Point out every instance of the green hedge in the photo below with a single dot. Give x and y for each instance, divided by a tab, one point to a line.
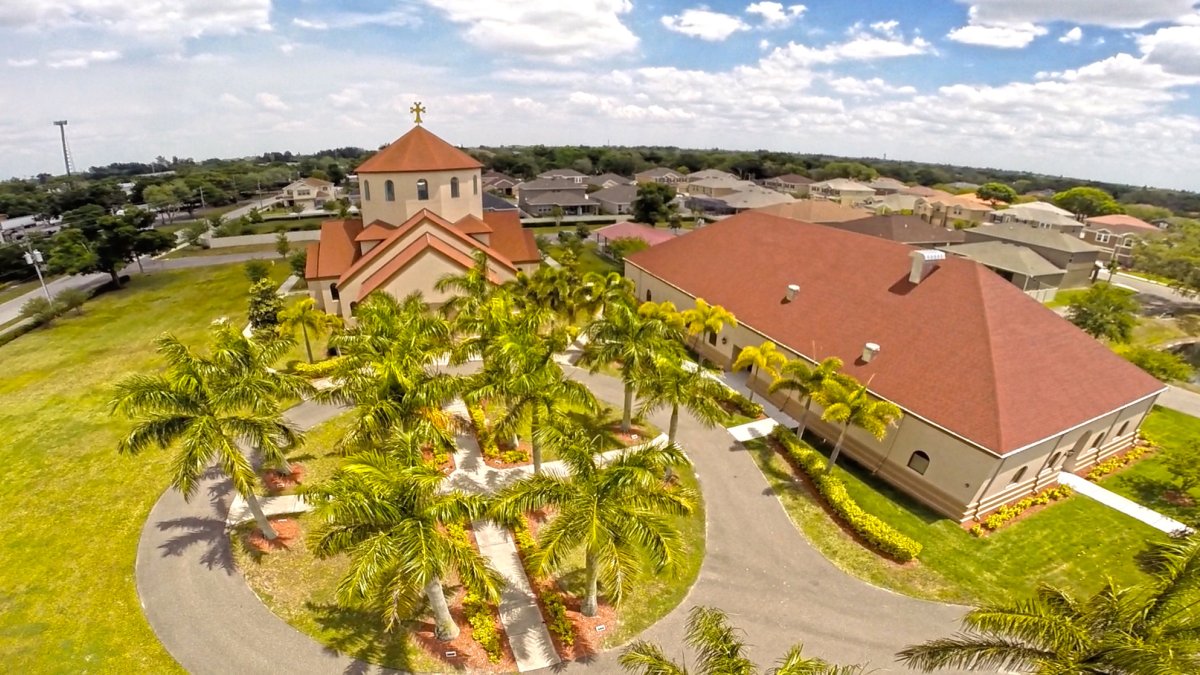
319	369
875	531
744	405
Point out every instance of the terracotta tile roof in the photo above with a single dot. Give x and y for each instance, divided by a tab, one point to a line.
1129	223
418	150
336	251
963	349
469	224
376	231
815	211
405	228
402	258
921	191
310	260
510	239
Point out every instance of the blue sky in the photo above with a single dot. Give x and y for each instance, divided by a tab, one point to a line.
1100	89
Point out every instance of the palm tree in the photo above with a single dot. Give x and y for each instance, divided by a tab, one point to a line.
599	291
705	319
391	519
807	381
1149	628
471	288
763	358
847	402
632	339
523	374
669	383
617	512
303	314
720	650
207	407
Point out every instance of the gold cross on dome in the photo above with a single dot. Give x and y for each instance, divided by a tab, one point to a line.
416	110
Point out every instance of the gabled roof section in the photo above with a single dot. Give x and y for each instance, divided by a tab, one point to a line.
336	250
510	239
422	216
376	231
469	224
1008	257
816	211
902	228
963	349
1032	236
410	253
418	150
1121	223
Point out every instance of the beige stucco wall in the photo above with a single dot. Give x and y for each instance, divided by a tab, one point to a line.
469	201
963	480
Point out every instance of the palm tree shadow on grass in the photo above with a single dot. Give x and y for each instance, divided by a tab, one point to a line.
358	633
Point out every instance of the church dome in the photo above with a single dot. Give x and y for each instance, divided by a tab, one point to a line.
418	150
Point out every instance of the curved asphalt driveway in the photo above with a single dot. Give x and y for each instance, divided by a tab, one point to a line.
758	567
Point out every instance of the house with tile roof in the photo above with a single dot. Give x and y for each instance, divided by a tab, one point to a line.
564	174
1117	234
616	200
947	210
999	393
540	197
815	211
608	180
841	190
884	185
1036	276
1039	214
499	183
791	183
909	230
308	193
422	218
1075	257
660	175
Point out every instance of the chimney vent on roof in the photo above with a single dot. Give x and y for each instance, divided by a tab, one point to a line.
870	351
792	290
924	262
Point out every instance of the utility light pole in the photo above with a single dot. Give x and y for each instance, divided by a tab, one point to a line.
62	132
34	257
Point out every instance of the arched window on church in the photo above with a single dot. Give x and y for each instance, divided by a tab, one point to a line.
333	291
366	190
475	184
423	189
389	191
454	188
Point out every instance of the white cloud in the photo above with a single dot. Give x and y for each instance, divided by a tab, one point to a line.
287	48
347	20
775	14
71	58
705	24
764	44
887	28
549	30
1110	13
149	19
21	63
1175	48
1001	35
852	86
1072	37
272	102
350	97
233	101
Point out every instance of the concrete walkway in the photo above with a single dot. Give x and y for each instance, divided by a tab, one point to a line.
752	430
1115	501
520	615
239	509
1181	400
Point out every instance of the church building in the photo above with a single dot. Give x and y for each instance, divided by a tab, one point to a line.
422	217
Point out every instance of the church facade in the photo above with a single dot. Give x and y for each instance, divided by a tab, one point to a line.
422	217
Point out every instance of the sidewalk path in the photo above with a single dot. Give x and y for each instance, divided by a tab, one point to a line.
519	612
1115	501
1181	400
239	510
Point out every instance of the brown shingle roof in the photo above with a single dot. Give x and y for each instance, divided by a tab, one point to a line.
815	211
901	228
336	251
418	150
963	349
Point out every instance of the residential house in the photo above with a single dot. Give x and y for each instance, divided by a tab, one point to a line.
710	174
563	174
653	236
616	200
20	227
424	218
1039	214
607	180
963	186
1022	267
1074	256
1117	235
920	191
909	230
660	175
892	203
540	197
947	210
841	190
791	183
999	393
718	186
815	211
494	181
308	193
492	202
886	186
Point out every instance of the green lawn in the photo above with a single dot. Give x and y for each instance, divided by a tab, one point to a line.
1073	543
1064	298
1147	480
191	252
73	507
273	225
589	260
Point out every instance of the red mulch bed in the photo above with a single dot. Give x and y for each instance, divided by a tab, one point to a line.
446	467
278	481
288	530
636	436
1033	510
505	446
470	656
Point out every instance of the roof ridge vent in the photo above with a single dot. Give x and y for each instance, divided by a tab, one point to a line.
924	262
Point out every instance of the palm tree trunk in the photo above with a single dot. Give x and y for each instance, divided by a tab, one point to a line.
673	427
837	449
264	525
533	440
444	627
590	600
804	417
627	416
307	347
750	383
141	270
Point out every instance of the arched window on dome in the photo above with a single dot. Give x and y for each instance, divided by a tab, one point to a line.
389	191
454	188
423	189
366	190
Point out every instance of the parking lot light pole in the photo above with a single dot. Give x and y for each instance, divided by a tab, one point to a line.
34	257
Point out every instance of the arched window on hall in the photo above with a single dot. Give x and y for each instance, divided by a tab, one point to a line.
333	291
366	190
422	189
919	462
475	184
1019	474
454	188
648	295
389	191
353	308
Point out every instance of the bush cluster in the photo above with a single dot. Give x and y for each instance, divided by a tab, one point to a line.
557	621
1119	462
743	405
875	531
42	311
319	369
483	626
487	440
1006	513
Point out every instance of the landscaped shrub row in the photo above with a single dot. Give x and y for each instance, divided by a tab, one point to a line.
557	621
1120	462
876	532
480	614
744	405
317	370
1006	513
487	440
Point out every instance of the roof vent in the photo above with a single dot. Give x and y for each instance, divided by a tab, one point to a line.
792	290
924	262
870	351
